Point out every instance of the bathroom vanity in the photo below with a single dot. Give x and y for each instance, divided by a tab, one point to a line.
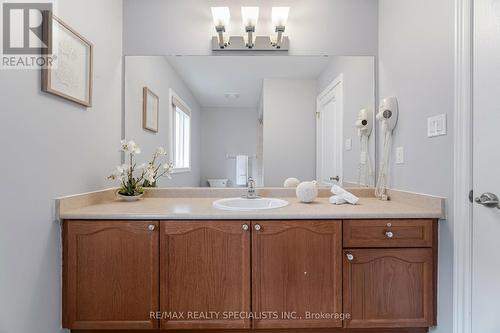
174	262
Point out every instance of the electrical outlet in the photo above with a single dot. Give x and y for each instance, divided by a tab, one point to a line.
400	155
436	126
348	144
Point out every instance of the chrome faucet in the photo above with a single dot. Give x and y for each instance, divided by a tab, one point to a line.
251	189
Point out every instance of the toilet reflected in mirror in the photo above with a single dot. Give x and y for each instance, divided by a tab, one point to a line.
224	119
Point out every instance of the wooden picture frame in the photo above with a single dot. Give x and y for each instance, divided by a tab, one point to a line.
70	74
150	110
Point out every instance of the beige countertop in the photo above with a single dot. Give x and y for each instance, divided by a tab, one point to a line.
165	207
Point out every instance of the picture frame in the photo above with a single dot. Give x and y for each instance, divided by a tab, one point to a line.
150	110
70	74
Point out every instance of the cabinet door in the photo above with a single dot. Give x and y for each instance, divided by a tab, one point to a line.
110	274
296	274
386	288
205	274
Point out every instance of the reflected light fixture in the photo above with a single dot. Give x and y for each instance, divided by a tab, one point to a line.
280	18
250	17
221	19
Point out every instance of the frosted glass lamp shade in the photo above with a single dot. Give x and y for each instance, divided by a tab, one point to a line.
250	16
221	16
280	16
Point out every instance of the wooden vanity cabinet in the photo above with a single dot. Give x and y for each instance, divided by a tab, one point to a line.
205	269
110	274
296	270
390	277
117	273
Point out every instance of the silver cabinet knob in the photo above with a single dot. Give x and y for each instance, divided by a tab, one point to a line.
489	200
257	227
349	256
245	227
389	234
151	227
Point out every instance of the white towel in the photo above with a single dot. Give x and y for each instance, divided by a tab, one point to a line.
241	169
347	196
336	200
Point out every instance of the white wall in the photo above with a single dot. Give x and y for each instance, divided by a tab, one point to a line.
52	147
225	131
416	64
359	93
159	76
289	130
161	27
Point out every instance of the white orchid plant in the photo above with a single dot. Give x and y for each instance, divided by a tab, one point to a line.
155	170
132	182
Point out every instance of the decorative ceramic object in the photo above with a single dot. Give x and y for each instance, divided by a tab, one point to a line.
291	183
129	198
307	192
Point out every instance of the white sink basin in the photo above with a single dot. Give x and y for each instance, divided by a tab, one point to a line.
243	204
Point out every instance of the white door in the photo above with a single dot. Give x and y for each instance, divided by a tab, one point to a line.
486	166
329	128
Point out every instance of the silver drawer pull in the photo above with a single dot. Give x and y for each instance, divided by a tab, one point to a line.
245	227
349	256
151	227
389	234
257	227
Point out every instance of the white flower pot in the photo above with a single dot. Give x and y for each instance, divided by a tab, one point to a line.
129	198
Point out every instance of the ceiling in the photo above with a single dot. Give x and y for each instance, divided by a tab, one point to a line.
210	78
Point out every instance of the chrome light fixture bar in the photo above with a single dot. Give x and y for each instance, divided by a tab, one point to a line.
250	17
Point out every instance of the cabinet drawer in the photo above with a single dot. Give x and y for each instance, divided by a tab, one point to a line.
387	233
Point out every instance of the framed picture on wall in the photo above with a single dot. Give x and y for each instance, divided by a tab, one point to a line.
70	75
150	110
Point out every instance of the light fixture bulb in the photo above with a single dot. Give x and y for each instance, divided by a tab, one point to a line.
221	16
250	16
280	16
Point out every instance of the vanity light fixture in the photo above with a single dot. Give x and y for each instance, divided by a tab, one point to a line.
221	18
250	17
280	18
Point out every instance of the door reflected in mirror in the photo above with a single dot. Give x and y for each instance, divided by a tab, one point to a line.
223	119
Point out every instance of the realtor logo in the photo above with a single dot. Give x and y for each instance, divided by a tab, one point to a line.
23	44
22	28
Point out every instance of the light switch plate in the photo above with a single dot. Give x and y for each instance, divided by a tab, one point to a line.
348	144
400	155
436	126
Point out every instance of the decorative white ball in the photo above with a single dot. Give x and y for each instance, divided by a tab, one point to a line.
307	191
291	182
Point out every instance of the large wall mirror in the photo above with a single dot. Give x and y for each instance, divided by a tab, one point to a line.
223	119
